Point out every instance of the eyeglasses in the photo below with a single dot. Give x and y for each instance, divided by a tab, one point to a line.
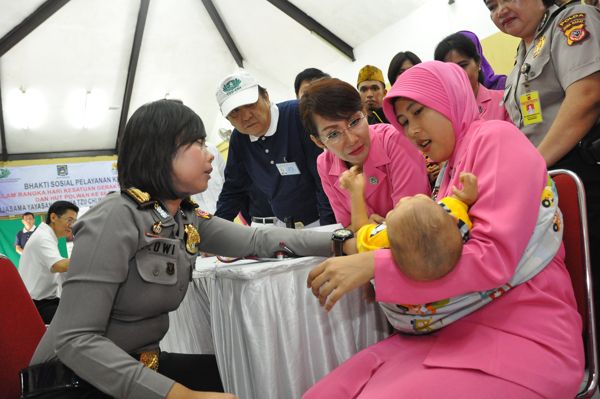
68	219
335	136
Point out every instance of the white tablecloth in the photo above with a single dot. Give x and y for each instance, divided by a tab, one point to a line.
270	336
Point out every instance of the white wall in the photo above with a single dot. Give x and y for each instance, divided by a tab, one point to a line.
418	32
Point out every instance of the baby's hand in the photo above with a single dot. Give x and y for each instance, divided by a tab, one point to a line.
353	180
468	193
376	219
433	170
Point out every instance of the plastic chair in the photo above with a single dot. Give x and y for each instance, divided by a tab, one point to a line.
21	328
571	201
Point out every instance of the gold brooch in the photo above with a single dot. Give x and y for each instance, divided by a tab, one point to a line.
150	359
192	239
157	228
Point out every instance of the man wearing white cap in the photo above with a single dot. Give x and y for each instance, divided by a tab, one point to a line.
269	150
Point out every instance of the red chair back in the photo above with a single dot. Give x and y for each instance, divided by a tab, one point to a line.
21	328
571	201
573	239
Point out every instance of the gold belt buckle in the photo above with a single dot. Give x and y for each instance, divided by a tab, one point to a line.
150	359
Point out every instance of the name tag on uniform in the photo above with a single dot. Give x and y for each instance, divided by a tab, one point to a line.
288	168
531	108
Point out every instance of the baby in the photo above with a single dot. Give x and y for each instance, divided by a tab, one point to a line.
425	237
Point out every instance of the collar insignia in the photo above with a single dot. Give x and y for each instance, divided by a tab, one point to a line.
538	46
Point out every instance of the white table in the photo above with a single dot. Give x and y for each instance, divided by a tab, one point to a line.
270	336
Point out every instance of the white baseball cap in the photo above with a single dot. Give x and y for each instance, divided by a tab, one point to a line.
235	90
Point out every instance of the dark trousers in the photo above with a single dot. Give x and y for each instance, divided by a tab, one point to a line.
196	372
47	308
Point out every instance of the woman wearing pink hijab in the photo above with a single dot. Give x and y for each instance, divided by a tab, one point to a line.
525	343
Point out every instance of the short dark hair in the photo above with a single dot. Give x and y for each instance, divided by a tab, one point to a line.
27	214
397	61
462	45
309	74
151	139
59	208
330	98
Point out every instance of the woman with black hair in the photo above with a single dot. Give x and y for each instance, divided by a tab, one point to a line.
400	63
132	262
459	49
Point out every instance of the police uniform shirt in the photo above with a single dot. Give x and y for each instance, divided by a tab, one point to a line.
126	275
562	52
36	263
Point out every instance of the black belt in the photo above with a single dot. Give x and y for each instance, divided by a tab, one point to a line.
49	378
265	220
53	377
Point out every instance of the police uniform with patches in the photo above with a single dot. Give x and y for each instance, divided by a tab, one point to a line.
565	49
131	265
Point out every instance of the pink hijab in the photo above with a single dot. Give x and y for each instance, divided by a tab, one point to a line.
441	86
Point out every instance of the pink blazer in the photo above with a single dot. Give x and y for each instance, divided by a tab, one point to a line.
532	335
491	104
393	169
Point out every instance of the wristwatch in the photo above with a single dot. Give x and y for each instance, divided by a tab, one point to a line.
338	237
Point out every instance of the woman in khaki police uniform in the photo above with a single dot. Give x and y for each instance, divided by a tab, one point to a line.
553	92
132	261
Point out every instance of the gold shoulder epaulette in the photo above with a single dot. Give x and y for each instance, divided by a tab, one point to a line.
189	203
140	197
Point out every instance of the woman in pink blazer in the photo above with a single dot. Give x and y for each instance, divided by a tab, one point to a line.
333	114
526	343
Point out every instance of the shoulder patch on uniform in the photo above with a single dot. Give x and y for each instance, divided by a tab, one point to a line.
573	28
139	197
202	214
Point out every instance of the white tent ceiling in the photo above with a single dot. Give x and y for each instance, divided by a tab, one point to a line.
63	84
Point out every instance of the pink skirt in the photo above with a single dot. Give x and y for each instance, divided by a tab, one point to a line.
394	368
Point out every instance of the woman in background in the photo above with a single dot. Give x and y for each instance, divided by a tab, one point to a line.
490	79
459	49
400	63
